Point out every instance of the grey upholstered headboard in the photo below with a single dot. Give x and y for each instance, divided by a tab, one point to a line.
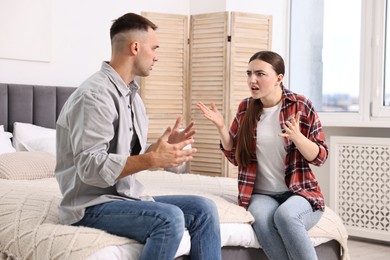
38	105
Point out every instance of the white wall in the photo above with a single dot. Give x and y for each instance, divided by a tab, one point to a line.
80	34
79	39
207	6
14	43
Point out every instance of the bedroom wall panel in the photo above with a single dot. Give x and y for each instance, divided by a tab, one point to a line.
4	105
62	95
39	105
44	103
21	98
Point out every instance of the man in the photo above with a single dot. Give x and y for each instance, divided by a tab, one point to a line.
101	143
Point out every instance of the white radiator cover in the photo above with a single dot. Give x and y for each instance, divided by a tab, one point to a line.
360	185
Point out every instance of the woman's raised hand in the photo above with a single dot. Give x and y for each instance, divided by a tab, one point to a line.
212	114
216	117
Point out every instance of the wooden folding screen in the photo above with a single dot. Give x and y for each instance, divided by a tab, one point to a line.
164	92
250	33
218	56
208	83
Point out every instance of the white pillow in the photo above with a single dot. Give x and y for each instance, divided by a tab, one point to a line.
33	138
1	128
5	142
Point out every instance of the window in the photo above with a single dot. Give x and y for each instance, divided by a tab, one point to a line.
341	56
338	59
325	53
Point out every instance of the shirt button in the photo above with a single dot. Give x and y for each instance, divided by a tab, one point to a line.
131	129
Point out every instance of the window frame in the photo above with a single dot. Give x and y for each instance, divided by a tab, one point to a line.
379	111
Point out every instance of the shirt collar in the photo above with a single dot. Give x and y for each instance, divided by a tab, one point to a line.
288	94
124	89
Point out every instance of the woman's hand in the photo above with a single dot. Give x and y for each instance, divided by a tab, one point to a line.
307	148
212	114
291	129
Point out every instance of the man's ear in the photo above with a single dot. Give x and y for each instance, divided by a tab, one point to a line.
134	47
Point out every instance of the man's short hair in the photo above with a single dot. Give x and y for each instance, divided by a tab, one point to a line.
130	21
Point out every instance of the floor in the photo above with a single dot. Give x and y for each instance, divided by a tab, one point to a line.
367	250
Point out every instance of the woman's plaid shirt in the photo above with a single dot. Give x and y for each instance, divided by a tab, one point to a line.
298	174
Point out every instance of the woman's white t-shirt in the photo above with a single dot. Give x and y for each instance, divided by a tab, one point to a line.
270	153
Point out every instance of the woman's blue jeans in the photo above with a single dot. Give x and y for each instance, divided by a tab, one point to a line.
160	225
281	224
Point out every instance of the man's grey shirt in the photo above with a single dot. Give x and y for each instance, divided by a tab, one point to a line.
94	132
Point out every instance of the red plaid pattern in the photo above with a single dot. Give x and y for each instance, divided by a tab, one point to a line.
298	175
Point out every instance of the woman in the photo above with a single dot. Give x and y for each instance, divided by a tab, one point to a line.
274	137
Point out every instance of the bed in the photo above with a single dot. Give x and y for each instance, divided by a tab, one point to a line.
29	194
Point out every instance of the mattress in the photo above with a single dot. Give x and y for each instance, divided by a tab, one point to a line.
232	234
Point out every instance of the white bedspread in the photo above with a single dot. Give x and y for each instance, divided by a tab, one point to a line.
29	226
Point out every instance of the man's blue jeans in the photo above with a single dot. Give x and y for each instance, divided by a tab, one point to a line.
160	225
281	224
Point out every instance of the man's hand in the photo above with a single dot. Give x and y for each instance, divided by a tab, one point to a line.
166	154
179	135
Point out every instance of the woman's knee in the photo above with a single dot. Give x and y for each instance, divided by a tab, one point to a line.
283	218
292	212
